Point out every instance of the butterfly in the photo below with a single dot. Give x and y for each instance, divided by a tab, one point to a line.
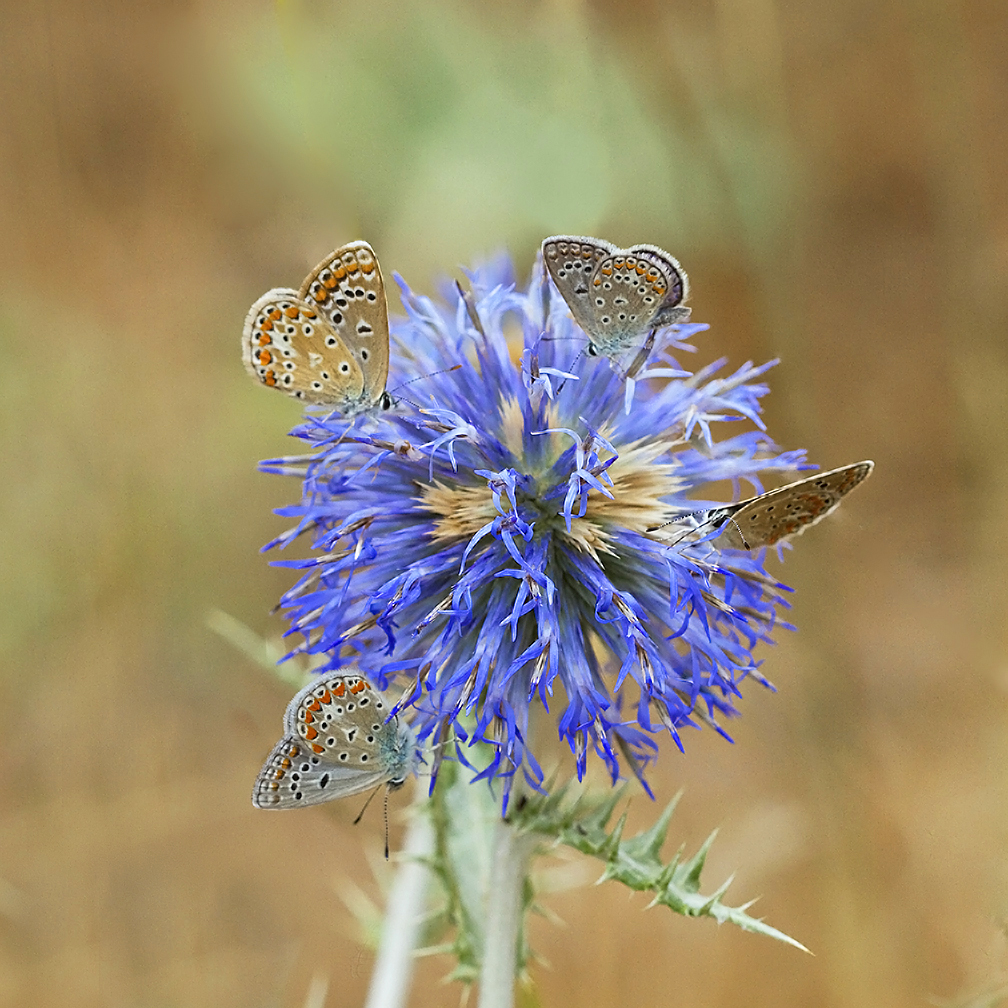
619	297
327	343
779	514
336	742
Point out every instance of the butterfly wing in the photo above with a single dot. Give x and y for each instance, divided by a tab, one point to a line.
632	293
293	776
288	345
347	290
789	510
674	275
571	260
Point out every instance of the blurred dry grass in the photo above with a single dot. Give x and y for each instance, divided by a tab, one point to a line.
831	175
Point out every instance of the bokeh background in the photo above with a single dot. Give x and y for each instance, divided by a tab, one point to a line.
832	177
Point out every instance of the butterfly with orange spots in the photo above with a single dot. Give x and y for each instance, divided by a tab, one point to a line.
327	343
336	742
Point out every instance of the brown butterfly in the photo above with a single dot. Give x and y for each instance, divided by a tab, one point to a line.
782	513
327	343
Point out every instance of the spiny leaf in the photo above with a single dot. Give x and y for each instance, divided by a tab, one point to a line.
636	861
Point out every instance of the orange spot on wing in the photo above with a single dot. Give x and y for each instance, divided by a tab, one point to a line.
309	717
308	313
326	697
314	705
269	378
368	267
310	733
358	686
340	689
338	273
265	357
291	312
275	314
317	748
264	340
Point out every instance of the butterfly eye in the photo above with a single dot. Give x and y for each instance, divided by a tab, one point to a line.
592	349
386	403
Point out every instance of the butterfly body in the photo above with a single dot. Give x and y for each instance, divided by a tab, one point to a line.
336	743
327	343
619	297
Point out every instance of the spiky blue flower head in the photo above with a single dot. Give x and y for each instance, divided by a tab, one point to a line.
486	541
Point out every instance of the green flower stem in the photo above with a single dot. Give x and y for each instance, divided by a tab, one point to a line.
511	854
407	903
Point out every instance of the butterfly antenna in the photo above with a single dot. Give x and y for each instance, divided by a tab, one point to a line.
742	537
580	354
672	521
387	789
431	374
675	542
467	299
368	802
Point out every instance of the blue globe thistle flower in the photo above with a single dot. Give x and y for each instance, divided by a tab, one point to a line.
488	544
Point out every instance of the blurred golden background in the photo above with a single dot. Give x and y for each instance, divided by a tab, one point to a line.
832	177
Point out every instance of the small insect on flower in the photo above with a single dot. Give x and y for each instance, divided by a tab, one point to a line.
619	297
493	548
336	743
328	342
780	514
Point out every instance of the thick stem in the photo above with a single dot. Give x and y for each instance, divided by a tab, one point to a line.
504	912
393	968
